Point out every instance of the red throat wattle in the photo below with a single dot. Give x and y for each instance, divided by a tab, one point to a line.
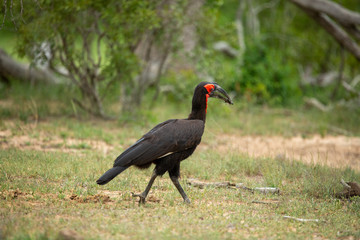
209	87
207	96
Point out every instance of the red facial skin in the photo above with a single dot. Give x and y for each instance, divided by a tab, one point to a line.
209	88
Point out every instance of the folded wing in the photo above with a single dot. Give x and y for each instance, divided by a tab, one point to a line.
174	135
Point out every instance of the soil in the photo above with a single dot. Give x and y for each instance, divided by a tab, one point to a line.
334	151
43	142
92	198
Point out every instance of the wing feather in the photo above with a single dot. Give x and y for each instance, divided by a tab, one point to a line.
170	136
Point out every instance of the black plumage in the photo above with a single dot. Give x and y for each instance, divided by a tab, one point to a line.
168	143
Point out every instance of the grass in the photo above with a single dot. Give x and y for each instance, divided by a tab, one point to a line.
47	181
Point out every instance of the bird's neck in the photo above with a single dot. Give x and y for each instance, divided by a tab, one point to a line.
199	108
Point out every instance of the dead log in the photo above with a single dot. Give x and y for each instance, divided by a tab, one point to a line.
12	69
200	184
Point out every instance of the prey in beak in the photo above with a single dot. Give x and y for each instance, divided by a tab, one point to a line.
220	93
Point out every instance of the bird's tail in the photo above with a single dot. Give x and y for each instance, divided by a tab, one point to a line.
110	174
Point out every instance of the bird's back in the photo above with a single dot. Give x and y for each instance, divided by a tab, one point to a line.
173	135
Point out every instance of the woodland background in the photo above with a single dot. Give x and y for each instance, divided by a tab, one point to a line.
81	81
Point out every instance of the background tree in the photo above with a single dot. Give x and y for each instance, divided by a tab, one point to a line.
96	44
274	53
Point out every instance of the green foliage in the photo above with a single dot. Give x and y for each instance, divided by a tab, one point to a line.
95	41
267	74
266	78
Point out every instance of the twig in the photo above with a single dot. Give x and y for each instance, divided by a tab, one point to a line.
267	190
201	185
264	202
301	219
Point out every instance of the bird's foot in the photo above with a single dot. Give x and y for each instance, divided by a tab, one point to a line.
141	197
187	201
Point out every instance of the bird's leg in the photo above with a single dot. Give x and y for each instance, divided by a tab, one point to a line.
175	181
143	195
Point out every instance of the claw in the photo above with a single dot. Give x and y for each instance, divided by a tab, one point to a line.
141	197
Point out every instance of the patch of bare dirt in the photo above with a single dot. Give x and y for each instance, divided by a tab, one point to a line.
28	197
43	142
12	194
334	151
69	234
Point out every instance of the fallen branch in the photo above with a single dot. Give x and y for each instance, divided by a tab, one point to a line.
266	202
301	219
267	190
317	104
201	185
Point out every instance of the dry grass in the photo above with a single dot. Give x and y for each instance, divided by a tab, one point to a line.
334	151
49	164
48	189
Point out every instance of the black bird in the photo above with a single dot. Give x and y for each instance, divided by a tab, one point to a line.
168	143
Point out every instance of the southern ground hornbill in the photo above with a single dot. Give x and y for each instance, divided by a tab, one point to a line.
168	143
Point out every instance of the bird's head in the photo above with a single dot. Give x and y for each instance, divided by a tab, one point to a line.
202	92
214	90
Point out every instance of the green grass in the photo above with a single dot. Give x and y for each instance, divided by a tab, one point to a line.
38	186
46	180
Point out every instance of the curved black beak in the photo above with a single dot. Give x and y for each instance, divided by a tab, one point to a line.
220	93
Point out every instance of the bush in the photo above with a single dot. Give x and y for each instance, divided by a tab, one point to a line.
265	78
